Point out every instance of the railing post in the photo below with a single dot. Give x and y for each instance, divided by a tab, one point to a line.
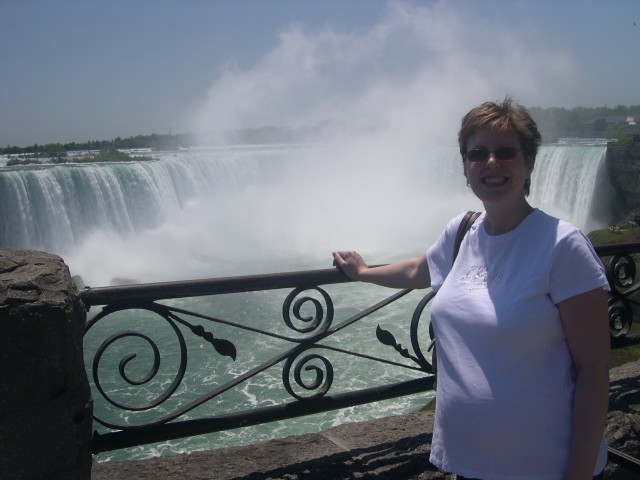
45	400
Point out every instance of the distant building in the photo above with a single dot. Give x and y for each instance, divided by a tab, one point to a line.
597	126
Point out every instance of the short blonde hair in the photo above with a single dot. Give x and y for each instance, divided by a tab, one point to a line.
505	116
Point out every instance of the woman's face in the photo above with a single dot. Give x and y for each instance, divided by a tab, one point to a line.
498	176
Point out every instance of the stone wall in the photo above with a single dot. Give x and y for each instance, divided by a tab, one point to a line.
45	400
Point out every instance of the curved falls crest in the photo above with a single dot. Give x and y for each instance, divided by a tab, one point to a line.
245	192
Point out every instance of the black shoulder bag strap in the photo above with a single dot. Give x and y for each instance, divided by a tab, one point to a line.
465	225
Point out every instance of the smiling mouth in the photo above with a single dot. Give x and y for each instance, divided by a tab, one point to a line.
494	181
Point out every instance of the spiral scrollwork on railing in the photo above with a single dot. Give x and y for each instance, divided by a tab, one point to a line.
620	317
122	366
316	379
128	359
318	322
415	338
621	273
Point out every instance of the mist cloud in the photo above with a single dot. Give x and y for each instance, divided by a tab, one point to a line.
397	90
416	72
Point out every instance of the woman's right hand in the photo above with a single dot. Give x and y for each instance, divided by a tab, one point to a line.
351	263
410	273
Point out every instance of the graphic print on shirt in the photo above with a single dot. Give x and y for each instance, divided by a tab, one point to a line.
480	277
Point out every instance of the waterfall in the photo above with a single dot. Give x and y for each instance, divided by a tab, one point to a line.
569	181
187	211
52	207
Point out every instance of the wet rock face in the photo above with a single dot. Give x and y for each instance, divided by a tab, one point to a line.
623	163
45	401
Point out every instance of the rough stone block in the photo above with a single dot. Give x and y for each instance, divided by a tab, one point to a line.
45	400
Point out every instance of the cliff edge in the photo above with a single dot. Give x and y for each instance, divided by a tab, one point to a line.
623	164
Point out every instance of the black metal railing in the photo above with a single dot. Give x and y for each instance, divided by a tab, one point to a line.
622	275
304	344
307	396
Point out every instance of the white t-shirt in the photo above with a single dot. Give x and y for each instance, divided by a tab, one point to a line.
505	375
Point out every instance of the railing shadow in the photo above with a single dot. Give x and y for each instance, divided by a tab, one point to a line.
405	458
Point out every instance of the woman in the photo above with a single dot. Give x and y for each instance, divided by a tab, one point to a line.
520	318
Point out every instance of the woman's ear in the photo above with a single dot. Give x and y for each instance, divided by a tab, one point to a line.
530	163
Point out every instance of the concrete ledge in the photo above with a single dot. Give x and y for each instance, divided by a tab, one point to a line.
388	448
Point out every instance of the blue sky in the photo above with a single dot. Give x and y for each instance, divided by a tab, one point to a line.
96	69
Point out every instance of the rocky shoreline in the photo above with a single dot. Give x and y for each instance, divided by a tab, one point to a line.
389	448
623	420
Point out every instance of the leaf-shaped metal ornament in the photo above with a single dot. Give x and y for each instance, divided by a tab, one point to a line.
223	347
385	337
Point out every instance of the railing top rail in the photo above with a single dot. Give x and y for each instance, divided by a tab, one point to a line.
612	249
213	286
272	281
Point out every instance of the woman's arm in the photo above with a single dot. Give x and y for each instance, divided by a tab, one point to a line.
411	273
585	322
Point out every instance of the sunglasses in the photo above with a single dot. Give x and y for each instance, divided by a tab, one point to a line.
482	155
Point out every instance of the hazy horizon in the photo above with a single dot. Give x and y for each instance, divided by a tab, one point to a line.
117	69
221	134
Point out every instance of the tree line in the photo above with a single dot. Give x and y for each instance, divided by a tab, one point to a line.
153	141
581	122
59	157
554	123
